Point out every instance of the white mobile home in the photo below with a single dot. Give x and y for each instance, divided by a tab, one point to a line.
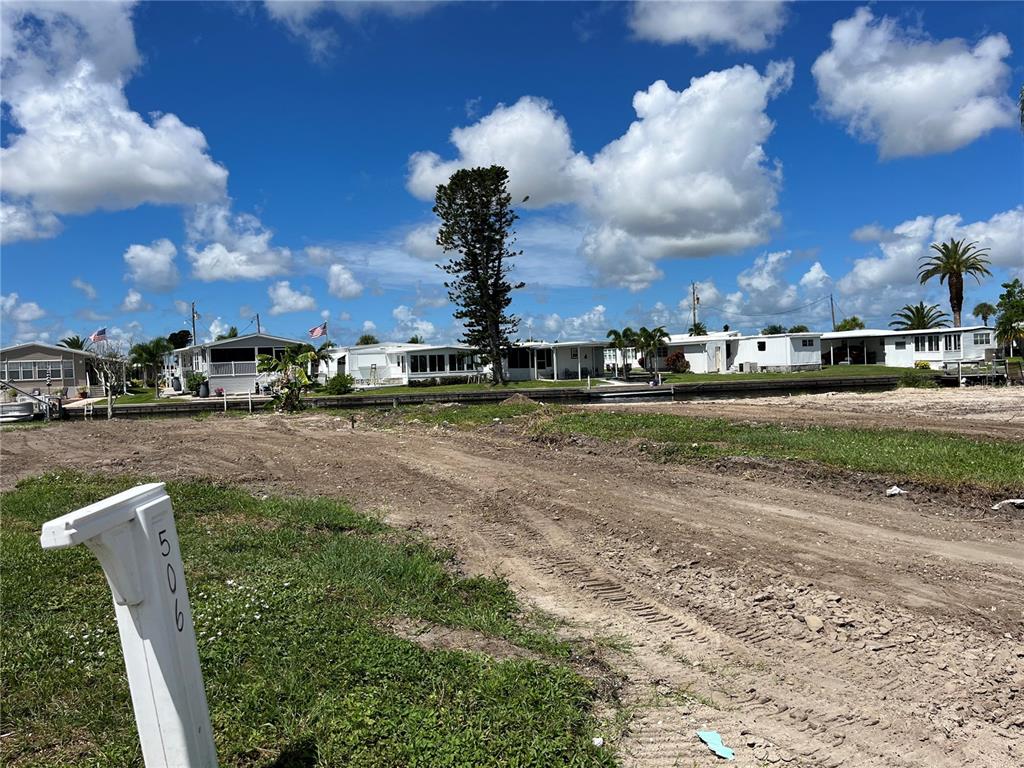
376	365
554	360
707	353
228	364
937	346
778	353
46	369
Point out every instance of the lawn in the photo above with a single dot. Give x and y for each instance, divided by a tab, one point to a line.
924	456
833	371
512	386
137	396
292	600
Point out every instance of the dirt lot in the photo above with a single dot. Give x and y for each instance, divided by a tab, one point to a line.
808	618
975	411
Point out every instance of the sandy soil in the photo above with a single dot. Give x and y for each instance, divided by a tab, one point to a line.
975	411
812	621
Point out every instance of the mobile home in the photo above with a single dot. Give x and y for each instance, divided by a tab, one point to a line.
936	346
228	364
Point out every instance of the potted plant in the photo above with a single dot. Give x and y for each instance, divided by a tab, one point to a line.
195	383
83	392
219	391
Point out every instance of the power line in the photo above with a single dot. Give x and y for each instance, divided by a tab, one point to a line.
766	314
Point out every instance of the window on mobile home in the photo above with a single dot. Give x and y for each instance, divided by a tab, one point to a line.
952	342
982	338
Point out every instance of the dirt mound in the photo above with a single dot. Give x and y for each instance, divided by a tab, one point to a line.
519	399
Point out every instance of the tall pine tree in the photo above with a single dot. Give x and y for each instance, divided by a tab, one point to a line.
476	223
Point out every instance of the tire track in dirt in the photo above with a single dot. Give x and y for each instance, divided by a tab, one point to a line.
709	575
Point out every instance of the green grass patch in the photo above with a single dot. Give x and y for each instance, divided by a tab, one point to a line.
137	396
943	459
512	387
936	458
291	600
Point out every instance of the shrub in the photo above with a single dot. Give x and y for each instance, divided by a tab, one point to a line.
677	362
193	380
339	384
913	377
922	365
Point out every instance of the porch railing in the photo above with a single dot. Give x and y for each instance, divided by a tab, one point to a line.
236	368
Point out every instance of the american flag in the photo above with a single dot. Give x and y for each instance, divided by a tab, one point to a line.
318	331
100	334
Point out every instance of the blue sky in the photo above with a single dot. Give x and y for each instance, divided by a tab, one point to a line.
279	158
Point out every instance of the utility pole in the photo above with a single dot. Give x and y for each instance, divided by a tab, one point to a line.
694	301
193	322
832	304
258	329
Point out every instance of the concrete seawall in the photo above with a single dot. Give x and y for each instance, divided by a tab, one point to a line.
566	396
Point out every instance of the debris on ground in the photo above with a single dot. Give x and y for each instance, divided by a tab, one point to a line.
519	399
895	491
1018	503
714	741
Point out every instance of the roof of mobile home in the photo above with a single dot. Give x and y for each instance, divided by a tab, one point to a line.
62	350
230	339
874	332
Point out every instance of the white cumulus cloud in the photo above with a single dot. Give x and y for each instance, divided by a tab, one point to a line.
740	24
23	222
909	94
528	138
342	283
134	302
227	246
77	146
285	299
152	266
901	248
690	176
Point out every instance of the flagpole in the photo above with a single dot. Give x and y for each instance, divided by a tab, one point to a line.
193	322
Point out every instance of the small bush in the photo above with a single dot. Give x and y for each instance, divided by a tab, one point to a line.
422	382
917	379
922	365
193	380
677	362
339	384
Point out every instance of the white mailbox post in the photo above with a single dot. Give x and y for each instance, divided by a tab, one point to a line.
133	536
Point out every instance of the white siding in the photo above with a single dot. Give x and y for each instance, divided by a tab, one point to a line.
805	356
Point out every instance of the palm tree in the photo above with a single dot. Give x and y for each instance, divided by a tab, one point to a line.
231	334
321	355
984	310
291	379
649	339
416	339
851	323
621	341
773	330
697	329
1010	332
954	260
74	342
150	356
918	317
